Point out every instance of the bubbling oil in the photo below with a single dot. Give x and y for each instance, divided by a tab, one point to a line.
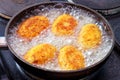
92	56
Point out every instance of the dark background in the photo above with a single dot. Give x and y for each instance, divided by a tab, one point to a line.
109	71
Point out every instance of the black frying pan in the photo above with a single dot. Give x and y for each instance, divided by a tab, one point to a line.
49	74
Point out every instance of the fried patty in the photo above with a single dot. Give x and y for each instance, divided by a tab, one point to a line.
32	26
40	54
64	25
90	36
70	58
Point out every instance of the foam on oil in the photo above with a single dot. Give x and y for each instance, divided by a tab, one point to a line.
21	46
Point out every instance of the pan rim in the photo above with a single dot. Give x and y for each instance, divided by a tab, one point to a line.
60	71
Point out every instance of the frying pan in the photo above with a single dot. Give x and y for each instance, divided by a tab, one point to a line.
38	72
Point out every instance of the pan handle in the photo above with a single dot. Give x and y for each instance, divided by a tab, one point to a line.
3	42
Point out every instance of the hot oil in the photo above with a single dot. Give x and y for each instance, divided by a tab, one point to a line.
21	46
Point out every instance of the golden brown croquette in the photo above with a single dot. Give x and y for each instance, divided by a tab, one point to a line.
70	58
64	25
40	54
32	26
89	36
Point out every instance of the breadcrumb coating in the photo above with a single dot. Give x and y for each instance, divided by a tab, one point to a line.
90	36
32	26
70	58
40	54
64	25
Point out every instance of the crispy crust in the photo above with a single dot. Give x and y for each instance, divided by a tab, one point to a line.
64	25
89	36
32	26
70	58
40	54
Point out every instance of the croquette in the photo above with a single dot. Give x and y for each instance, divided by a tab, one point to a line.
70	58
64	25
89	36
40	54
32	26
